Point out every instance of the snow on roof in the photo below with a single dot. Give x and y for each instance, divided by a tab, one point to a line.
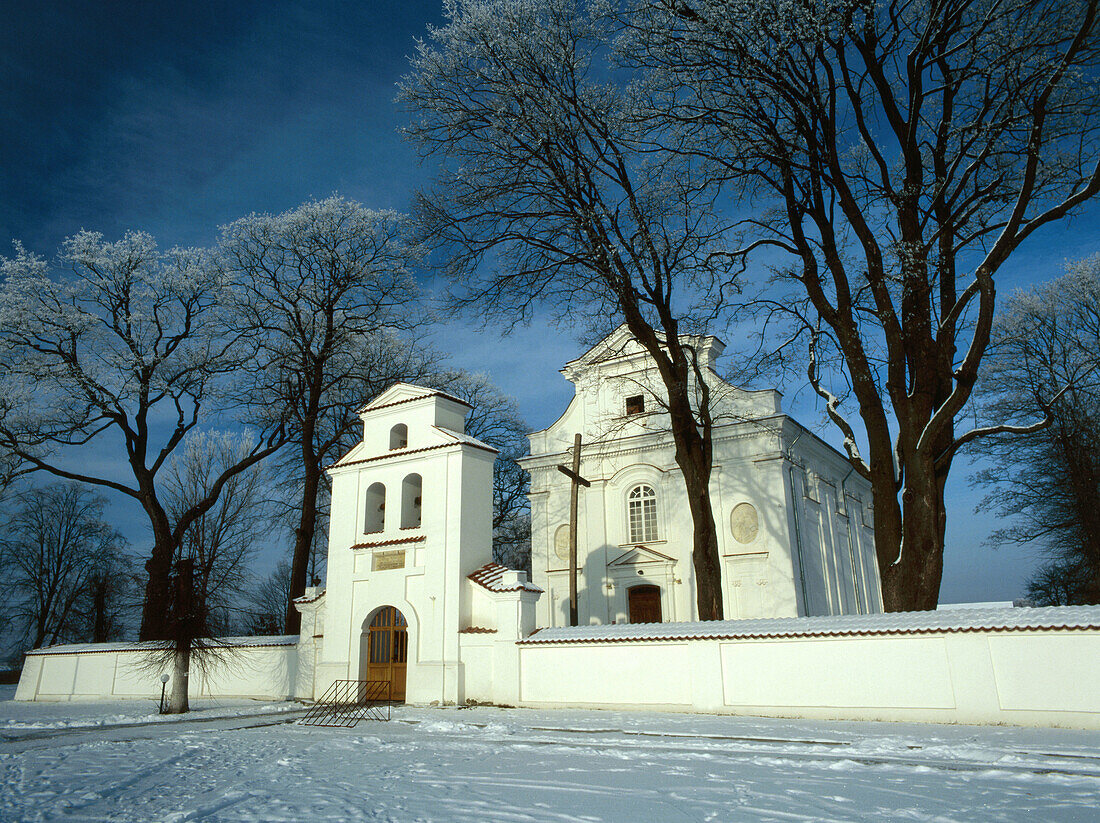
138	645
490	576
470	441
305	598
957	620
416	392
621	343
466	439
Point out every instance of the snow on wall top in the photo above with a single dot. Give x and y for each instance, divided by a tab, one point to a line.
960	620
130	646
490	576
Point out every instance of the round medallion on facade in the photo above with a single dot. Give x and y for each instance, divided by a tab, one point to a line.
561	543
744	523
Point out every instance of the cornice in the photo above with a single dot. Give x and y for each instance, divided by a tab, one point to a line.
551	459
397	455
368	408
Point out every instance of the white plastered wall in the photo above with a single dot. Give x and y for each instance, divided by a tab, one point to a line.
1032	678
266	672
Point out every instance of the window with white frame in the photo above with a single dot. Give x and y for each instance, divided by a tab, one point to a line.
641	509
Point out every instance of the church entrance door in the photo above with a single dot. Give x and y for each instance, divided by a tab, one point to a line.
388	650
644	603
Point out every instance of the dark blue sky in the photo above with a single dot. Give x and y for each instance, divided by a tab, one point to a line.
177	118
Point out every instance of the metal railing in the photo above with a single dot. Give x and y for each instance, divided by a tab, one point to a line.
348	701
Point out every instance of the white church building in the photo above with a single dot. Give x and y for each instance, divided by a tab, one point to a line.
414	601
794	521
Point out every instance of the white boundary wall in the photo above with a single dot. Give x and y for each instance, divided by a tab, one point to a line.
1032	667
1009	671
261	667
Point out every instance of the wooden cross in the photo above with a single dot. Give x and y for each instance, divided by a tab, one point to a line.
575	481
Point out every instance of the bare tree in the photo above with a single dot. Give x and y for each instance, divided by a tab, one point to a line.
134	337
893	155
495	419
224	539
1044	361
211	562
1061	582
61	564
554	195
323	288
111	602
265	604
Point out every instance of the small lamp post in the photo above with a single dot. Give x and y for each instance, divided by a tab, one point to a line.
163	684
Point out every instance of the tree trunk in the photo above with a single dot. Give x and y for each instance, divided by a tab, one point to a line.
185	629
693	456
154	618
303	535
181	666
99	610
1084	492
704	555
909	539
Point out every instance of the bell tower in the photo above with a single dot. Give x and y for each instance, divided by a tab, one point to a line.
411	519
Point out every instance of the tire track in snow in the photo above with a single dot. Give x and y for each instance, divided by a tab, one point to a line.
779	754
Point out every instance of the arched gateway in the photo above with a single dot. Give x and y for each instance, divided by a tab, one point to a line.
385	651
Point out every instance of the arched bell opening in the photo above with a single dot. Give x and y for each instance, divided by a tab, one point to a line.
384	650
411	490
399	437
374	509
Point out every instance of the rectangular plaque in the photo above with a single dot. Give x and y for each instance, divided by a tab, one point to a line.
389	560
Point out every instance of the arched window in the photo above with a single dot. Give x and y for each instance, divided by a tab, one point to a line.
399	436
641	512
374	511
410	501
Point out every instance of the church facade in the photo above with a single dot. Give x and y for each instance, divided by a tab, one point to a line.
793	519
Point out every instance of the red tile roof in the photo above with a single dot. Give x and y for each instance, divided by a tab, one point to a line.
402	452
396	541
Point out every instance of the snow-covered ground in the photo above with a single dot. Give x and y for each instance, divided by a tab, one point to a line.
86	762
17	718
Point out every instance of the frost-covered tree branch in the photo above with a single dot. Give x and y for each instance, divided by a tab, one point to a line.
100	354
900	153
555	193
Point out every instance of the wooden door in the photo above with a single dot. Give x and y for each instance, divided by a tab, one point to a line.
644	603
388	650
